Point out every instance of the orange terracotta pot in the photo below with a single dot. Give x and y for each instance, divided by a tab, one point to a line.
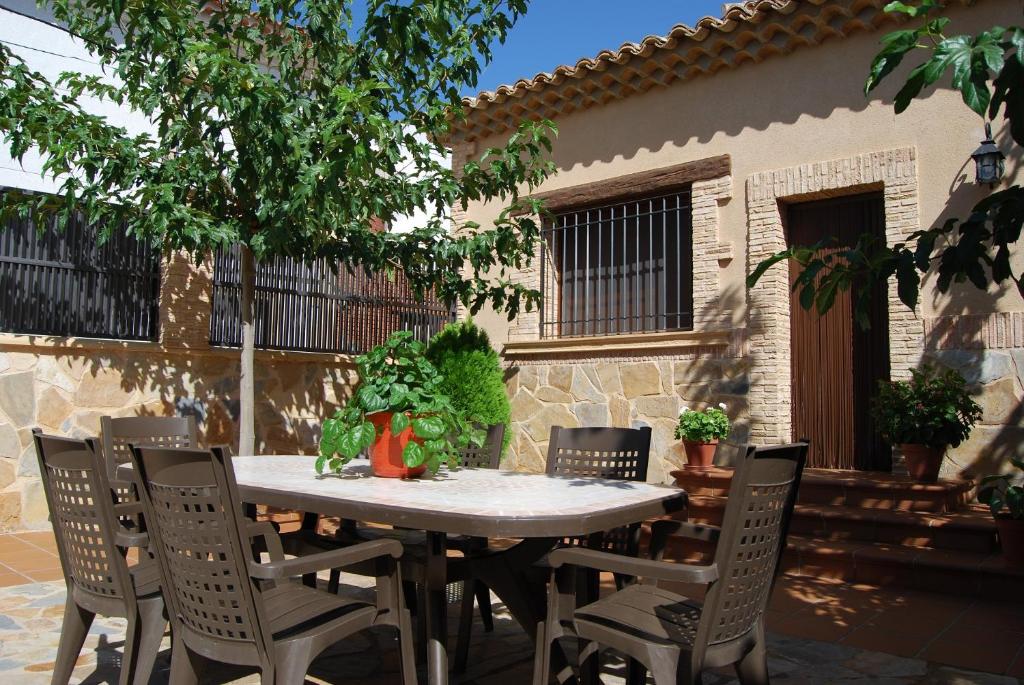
386	452
699	455
923	462
1011	538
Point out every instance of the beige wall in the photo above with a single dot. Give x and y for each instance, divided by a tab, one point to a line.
787	113
64	385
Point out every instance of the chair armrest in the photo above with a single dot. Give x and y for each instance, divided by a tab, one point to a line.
661	530
645	568
335	558
271	540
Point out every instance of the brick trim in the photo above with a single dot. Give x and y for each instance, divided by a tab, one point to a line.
892	171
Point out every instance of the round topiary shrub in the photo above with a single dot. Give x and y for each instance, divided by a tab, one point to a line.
473	378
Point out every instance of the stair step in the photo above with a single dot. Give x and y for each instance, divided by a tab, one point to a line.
849	489
971	530
975	574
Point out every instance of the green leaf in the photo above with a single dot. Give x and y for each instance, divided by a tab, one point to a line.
895	47
428	427
413	454
399	422
350	443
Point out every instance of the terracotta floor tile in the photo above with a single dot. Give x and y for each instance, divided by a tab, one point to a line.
45	575
1016	669
994	616
33	560
920	629
11	545
42	540
824	628
898	642
8	579
965	646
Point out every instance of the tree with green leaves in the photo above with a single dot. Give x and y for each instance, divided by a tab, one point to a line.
286	127
988	70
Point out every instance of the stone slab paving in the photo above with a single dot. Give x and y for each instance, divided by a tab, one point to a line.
30	618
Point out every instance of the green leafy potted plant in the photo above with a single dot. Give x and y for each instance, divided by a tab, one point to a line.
700	432
473	377
1004	495
924	416
399	413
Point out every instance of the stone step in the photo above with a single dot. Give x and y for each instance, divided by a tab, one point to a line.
970	530
849	489
983	575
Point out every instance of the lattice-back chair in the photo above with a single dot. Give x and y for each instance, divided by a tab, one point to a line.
488	454
672	636
142	431
92	544
228	607
613	453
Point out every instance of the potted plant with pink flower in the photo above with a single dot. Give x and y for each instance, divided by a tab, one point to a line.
700	431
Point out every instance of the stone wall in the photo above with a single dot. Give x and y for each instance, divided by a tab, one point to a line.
625	390
65	385
988	351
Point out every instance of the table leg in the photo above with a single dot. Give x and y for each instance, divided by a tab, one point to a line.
437	608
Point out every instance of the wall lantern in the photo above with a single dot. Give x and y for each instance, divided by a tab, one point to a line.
988	160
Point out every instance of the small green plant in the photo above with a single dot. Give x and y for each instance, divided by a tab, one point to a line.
1000	492
703	426
473	377
397	377
933	408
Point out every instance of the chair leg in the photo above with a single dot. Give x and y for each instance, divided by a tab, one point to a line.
421	625
185	665
335	581
465	626
72	636
636	674
753	668
542	655
145	631
406	650
483	600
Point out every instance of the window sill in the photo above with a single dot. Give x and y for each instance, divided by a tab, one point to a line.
637	343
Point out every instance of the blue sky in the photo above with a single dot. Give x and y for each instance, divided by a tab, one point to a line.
555	32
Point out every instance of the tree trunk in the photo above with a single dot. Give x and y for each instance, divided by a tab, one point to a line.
247	398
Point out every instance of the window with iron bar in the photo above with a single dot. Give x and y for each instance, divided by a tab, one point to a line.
619	268
67	282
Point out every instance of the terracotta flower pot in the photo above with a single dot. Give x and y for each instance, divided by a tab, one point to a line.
923	461
386	452
699	455
1011	537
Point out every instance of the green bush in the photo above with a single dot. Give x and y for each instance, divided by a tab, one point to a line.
472	373
703	426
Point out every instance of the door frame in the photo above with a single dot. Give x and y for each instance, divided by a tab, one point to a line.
868	451
894	172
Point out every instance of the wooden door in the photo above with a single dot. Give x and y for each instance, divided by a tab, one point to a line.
836	365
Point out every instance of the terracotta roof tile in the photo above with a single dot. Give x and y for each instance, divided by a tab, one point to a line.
747	32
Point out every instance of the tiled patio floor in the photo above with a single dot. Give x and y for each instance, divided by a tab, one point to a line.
822	633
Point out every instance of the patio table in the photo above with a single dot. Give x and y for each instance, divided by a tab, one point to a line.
537	508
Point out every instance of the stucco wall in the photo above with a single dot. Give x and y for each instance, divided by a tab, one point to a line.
794	114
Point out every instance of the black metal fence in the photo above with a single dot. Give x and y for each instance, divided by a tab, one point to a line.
309	308
67	283
620	268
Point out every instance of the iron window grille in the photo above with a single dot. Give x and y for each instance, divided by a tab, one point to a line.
620	268
307	307
69	283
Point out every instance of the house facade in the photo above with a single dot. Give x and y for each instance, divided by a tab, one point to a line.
684	161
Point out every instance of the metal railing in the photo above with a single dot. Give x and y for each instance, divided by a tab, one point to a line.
307	307
620	268
67	283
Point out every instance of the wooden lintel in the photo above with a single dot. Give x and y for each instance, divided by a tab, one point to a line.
637	184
